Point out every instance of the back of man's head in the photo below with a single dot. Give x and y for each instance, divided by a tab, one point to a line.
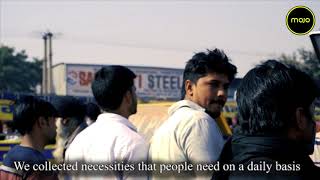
203	63
110	85
269	95
28	110
69	107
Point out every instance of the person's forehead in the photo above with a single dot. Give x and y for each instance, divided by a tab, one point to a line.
213	76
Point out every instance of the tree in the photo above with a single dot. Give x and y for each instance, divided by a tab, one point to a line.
304	60
17	73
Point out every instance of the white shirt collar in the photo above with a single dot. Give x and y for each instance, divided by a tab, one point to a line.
105	117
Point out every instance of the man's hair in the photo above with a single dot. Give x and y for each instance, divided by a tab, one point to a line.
27	110
203	63
69	107
110	85
268	96
92	111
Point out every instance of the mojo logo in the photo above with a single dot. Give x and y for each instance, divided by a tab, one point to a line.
300	20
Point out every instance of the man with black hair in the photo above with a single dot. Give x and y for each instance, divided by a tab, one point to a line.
112	138
276	125
70	123
191	133
35	120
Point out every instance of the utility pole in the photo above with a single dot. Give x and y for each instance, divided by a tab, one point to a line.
44	67
47	64
50	63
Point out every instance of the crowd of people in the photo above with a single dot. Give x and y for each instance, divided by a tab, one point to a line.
275	125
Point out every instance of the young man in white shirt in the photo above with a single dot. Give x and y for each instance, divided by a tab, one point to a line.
112	140
191	133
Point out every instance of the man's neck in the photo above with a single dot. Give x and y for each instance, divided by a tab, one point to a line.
120	112
32	141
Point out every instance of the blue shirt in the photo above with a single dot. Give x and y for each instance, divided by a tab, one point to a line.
26	154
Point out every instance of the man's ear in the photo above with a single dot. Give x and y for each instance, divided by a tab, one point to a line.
301	118
188	87
41	122
127	97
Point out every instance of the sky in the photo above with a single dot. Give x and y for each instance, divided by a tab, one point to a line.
153	33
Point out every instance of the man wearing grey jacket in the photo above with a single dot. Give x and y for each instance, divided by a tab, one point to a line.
191	134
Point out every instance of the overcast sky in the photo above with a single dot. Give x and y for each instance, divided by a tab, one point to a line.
152	33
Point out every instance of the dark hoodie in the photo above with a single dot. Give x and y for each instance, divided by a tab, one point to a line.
287	159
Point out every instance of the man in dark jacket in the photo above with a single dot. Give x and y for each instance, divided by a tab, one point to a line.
276	130
70	123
